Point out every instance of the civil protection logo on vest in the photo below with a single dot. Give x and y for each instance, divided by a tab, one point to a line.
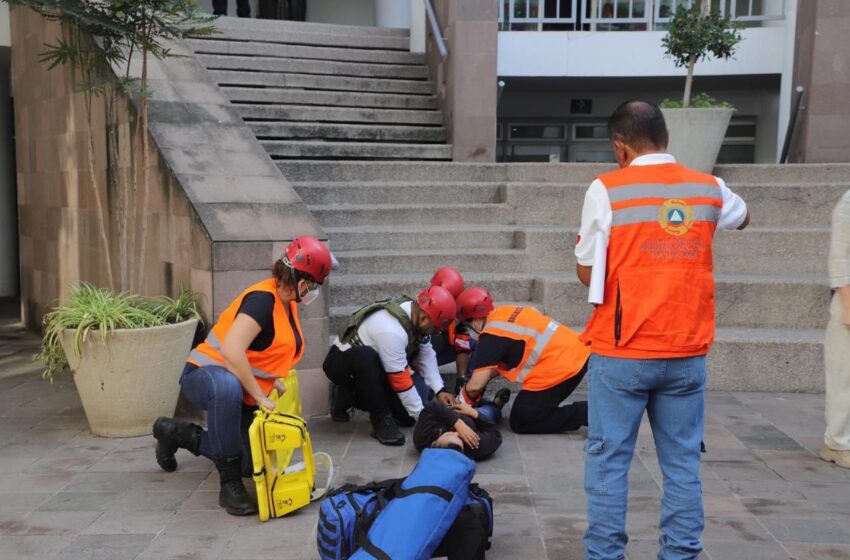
675	216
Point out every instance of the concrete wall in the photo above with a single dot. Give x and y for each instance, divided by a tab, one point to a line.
822	66
628	53
760	101
60	243
346	12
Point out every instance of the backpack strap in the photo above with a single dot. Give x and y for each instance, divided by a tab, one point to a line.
348	330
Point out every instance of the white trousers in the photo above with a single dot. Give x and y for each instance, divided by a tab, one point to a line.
837	350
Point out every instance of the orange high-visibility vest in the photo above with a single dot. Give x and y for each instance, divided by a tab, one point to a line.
267	365
553	353
659	283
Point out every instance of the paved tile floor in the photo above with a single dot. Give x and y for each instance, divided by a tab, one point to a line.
68	495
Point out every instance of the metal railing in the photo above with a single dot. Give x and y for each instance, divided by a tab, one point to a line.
435	29
621	15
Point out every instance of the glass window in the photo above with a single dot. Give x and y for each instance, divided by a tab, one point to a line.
540	153
537	131
590	132
741	130
737	153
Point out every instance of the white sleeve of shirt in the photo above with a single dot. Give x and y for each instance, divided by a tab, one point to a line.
412	402
734	209
596	218
425	364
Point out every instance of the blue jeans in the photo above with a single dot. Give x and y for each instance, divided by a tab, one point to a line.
672	392
216	390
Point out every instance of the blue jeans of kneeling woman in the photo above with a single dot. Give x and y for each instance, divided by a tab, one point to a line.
218	392
672	391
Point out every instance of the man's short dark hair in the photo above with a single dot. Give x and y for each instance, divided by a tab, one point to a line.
639	125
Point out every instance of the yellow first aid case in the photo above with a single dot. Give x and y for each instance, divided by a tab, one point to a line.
275	437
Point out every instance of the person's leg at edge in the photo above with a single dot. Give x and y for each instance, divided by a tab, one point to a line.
243	8
541	412
220	7
618	392
219	392
676	412
836	439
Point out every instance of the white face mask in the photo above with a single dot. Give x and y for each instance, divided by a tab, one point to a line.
311	296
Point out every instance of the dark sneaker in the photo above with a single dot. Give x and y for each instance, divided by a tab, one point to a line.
341	403
502	397
385	430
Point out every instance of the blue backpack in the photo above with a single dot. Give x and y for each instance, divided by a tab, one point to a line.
420	511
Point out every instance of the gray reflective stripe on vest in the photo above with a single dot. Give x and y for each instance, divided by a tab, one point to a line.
677	190
203	360
639	214
541	340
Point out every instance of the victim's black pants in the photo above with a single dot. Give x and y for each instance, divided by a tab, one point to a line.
359	371
539	412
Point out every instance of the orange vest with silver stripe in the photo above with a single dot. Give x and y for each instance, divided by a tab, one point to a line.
267	365
659	283
553	353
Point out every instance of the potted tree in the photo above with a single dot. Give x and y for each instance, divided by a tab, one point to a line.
698	125
124	353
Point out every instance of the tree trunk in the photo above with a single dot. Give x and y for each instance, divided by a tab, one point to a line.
143	221
689	82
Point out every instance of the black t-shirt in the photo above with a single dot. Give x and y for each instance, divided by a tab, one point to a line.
497	351
260	307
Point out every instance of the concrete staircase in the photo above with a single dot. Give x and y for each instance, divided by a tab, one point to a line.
512	228
317	94
327	91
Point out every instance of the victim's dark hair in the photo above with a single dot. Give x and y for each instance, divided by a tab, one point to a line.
639	125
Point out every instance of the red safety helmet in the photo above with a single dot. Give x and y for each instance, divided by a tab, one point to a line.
309	255
439	305
474	303
448	278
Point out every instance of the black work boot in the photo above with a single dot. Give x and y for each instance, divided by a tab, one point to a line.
502	397
233	497
341	403
385	430
172	435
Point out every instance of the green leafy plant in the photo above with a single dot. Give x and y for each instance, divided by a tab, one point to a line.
698	101
98	312
694	34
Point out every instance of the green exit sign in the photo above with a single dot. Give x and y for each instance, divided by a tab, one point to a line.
581	106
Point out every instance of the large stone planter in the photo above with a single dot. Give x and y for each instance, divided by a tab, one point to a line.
696	135
129	380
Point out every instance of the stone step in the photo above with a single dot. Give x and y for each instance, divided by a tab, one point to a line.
786	360
352	289
322	67
254	48
355	150
751	301
795	174
353	238
544	203
772	251
434	172
389	193
362	132
284	27
432	215
309	113
428	260
321	39
319	82
328	98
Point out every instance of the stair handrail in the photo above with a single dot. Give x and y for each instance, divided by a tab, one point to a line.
435	29
792	123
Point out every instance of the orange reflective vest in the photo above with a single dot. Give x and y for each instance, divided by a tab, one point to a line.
267	365
553	353
659	283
